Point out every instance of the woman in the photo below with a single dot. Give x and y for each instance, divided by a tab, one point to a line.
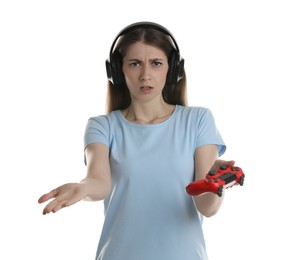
141	155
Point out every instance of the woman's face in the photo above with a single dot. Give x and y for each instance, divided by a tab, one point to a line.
145	68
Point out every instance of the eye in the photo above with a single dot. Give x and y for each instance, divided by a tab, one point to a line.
134	64
157	63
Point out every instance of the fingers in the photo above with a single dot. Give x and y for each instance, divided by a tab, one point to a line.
56	204
53	206
47	196
62	196
219	163
55	193
228	163
65	203
60	201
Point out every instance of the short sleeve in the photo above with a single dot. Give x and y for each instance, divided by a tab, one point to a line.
208	132
97	131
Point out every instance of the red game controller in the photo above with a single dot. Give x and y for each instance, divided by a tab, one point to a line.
216	181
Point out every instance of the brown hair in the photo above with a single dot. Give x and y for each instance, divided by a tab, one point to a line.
118	97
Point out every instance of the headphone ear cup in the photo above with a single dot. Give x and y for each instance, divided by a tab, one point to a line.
114	69
176	68
170	75
180	71
108	71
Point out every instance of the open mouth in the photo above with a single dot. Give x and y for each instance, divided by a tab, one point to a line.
146	89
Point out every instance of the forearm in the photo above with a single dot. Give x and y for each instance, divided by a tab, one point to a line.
208	204
98	178
96	189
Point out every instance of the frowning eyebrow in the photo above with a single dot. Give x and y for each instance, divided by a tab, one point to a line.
139	60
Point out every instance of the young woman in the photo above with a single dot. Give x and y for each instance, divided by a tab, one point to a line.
141	155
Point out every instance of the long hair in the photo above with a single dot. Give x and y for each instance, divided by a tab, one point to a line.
118	97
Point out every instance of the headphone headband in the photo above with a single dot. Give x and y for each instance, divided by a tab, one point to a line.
134	26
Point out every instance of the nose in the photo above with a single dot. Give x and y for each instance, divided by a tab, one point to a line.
145	73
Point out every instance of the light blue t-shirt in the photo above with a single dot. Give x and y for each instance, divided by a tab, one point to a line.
148	214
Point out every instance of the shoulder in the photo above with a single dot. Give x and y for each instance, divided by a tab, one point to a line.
99	129
194	116
193	111
103	120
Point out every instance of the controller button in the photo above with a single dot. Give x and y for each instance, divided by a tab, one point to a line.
212	172
223	167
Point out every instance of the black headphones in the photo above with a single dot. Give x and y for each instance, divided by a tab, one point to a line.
114	66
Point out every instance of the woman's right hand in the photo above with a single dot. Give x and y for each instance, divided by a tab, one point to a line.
95	186
63	196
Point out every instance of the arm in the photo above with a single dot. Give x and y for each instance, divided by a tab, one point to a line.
98	179
95	186
206	158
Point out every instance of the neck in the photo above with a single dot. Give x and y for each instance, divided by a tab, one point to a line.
148	113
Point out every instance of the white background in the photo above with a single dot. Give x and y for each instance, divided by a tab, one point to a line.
52	78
